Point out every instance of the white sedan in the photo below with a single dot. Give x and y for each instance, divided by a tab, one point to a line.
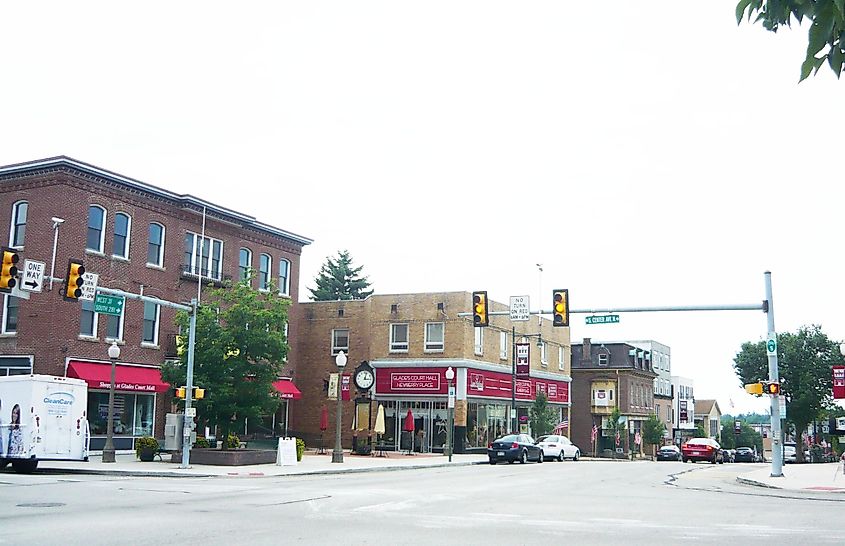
558	447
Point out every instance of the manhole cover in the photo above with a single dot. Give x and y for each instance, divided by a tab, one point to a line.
41	504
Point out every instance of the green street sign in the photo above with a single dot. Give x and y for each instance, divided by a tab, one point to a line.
602	319
772	345
108	305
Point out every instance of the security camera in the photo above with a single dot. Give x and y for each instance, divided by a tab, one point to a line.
57	221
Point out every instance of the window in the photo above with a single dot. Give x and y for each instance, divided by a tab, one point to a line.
561	358
114	327
399	338
10	314
16	236
434	336
88	320
122	226
544	361
479	341
340	340
264	266
134	414
96	225
284	273
152	311
155	246
203	257
15	365
503	345
244	263
603	359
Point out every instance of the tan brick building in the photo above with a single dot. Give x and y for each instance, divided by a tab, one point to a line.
410	340
138	238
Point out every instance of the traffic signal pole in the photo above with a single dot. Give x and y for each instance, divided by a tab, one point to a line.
777	449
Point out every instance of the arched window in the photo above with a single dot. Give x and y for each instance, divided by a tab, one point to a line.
155	246
18	230
284	277
244	263
96	224
122	226
264	267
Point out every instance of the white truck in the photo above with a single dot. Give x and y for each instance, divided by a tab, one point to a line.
42	418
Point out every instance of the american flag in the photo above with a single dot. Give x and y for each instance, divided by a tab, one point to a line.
617	438
560	426
594	433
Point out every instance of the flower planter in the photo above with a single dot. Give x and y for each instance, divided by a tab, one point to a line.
146	454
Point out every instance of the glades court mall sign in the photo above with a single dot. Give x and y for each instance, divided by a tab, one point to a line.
411	381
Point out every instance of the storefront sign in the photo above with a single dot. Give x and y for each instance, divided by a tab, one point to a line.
416	382
476	382
523	360
120	386
683	411
839	382
523	388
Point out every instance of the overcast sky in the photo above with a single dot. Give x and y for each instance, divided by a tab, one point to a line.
645	153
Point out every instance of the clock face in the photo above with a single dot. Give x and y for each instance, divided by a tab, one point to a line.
364	379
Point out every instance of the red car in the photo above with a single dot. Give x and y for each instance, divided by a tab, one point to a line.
702	449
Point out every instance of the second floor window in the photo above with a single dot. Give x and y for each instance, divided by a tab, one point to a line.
151	316
434	336
10	314
284	277
96	228
265	263
88	319
155	246
114	327
244	263
203	257
399	338
340	340
16	236
122	224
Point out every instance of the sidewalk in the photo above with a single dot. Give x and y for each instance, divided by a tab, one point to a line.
824	477
311	464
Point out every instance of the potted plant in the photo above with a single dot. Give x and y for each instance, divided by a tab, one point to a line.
146	448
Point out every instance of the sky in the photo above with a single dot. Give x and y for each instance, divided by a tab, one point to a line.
651	154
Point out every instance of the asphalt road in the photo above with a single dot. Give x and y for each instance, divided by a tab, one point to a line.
573	502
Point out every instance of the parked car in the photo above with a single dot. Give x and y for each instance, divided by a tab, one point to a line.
745	455
702	449
726	456
788	454
514	447
558	447
669	453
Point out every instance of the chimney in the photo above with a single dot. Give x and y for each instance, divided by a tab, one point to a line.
586	350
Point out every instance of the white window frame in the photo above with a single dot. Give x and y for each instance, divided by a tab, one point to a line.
160	258
94	322
399	346
432	346
157	321
13	229
264	283
102	242
604	359
120	325
561	357
503	345
544	360
196	256
336	348
284	282
4	327
479	341
125	255
244	273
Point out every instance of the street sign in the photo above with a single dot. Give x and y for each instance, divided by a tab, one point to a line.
782	406
451	397
33	276
108	305
602	319
89	286
772	345
520	309
191	412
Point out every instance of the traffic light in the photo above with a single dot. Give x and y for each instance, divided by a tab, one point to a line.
8	271
772	388
479	309
754	388
560	307
199	393
74	280
180	392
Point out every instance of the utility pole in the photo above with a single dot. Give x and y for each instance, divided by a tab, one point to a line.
777	447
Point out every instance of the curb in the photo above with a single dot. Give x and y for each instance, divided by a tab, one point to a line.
755	483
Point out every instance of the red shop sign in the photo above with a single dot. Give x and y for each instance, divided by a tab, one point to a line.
839	382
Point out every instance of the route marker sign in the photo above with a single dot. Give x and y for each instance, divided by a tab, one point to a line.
602	319
106	304
772	345
33	276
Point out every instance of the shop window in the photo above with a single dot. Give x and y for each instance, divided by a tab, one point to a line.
132	416
96	228
244	263
399	338
10	314
340	340
434	336
18	231
15	365
155	245
122	229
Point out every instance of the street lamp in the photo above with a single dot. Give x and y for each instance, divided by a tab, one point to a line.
108	449
337	454
450	375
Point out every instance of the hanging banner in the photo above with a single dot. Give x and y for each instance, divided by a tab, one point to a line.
333	384
838	382
345	383
523	360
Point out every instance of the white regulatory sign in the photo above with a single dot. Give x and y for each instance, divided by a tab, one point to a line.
89	287
191	412
33	276
520	309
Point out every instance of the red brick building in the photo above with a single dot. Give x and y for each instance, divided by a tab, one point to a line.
139	239
410	340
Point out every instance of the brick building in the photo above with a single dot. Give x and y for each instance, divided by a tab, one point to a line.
139	239
607	376
410	340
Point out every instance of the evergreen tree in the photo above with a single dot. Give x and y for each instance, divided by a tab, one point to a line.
339	280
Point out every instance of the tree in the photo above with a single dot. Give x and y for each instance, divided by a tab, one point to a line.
804	364
827	27
338	280
653	432
699	431
616	427
543	417
239	351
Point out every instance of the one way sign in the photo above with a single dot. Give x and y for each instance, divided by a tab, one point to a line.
33	276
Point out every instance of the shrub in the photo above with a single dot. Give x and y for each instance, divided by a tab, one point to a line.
145	441
233	442
300	448
202	442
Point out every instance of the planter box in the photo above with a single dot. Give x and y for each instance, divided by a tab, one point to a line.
230	457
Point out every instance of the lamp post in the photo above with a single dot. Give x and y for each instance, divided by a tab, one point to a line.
337	454
450	375
108	449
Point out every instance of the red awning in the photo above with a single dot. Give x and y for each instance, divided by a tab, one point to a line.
287	389
126	378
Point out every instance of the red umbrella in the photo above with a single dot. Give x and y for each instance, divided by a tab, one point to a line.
324	418
409	422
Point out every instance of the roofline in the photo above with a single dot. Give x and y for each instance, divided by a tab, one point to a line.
184	200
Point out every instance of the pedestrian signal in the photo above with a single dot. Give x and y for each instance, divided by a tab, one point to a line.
479	309
771	388
8	270
560	307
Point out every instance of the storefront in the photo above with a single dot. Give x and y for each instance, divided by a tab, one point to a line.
483	399
134	413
